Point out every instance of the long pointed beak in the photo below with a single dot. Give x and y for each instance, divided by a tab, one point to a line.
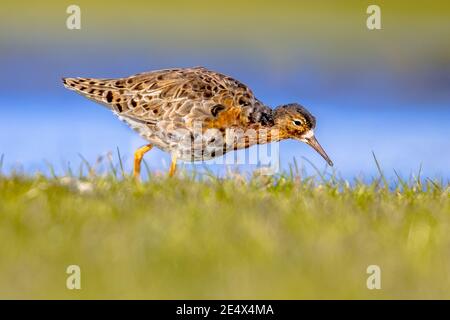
312	141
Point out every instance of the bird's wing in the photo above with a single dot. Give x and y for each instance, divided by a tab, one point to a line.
177	97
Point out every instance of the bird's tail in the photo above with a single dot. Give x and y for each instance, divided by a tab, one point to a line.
102	91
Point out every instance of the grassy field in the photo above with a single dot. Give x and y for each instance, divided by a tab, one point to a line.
287	236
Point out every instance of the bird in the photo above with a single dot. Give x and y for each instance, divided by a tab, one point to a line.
190	112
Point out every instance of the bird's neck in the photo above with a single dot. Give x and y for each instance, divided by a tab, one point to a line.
263	121
262	116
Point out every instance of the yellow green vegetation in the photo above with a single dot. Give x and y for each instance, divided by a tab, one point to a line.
285	236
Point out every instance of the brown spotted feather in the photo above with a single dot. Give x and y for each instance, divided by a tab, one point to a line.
159	102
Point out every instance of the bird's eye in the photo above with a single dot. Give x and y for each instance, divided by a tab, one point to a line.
297	122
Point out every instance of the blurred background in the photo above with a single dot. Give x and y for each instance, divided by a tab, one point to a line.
386	91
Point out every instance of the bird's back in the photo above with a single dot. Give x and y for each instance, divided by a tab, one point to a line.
166	100
148	95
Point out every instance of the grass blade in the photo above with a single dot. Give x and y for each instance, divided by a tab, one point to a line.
112	167
147	169
401	181
51	168
383	178
86	163
121	163
297	172
69	171
418	182
438	187
322	177
1	162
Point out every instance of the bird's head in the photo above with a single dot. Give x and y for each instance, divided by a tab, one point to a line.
295	122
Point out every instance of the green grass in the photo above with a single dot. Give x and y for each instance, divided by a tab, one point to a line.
282	237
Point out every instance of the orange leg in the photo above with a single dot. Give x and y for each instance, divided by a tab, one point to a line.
138	155
173	165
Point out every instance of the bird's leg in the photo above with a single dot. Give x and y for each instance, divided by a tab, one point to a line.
173	165
138	155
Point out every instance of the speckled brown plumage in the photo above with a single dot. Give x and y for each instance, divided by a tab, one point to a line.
164	105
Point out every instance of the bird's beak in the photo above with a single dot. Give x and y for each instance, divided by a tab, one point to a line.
312	141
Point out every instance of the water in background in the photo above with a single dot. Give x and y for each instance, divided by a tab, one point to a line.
389	95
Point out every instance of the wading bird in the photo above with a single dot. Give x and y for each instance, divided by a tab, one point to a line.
167	106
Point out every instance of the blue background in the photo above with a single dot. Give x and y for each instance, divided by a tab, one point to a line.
387	97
